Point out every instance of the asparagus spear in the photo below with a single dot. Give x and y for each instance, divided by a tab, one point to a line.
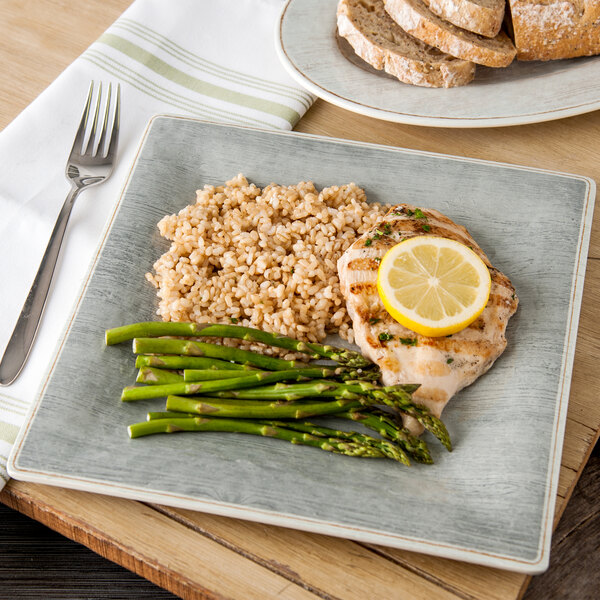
327	388
264	377
229	407
397	396
400	398
340	355
214	364
389	449
421	413
380	422
214	374
168	414
187	388
310	372
193	348
176	414
153	376
156	329
116	335
359	374
387	428
168	361
292	391
349	448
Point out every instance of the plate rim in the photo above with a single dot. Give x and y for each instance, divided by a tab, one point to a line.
305	81
497	560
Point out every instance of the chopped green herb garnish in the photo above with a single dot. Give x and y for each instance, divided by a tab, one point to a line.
449	361
409	212
512	297
385	337
387	228
419	214
292	270
374	320
425	227
409	341
368	242
378	259
233	320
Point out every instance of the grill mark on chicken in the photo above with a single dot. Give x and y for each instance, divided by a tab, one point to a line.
364	264
442	366
363	287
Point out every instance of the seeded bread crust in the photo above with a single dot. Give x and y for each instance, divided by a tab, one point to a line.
555	29
415	18
384	45
479	16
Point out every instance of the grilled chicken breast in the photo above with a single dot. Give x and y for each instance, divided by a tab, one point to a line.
442	366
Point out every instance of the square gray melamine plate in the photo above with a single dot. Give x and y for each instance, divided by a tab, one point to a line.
490	501
523	92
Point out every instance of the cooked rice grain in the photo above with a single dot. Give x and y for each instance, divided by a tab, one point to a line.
264	258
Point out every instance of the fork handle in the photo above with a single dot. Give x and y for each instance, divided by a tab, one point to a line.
21	341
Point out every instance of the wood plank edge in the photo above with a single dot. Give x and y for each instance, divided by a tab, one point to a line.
424	574
579	422
564	502
273	566
565	499
98	542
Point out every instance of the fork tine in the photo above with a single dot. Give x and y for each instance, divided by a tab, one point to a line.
89	149
79	137
102	140
114	134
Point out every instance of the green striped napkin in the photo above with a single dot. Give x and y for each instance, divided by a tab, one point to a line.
202	58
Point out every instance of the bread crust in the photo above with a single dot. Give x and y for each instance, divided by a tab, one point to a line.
414	62
414	17
473	15
555	29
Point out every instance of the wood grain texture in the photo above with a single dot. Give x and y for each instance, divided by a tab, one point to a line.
148	540
576	542
153	545
40	38
36	562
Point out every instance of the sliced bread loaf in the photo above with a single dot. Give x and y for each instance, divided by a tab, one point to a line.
479	16
384	45
555	28
415	18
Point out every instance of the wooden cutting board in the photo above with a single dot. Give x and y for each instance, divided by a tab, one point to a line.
204	556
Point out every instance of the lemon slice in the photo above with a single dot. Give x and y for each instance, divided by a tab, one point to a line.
433	285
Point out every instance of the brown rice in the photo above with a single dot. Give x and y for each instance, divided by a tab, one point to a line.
263	258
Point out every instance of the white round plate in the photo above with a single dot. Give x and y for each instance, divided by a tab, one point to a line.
524	92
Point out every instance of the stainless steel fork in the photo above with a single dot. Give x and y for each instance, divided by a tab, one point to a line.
88	165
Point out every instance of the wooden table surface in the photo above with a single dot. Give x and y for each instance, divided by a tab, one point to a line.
195	555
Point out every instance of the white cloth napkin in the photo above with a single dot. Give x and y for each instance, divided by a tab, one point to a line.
201	58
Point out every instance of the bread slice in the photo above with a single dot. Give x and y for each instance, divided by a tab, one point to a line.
384	45
415	18
479	16
555	29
